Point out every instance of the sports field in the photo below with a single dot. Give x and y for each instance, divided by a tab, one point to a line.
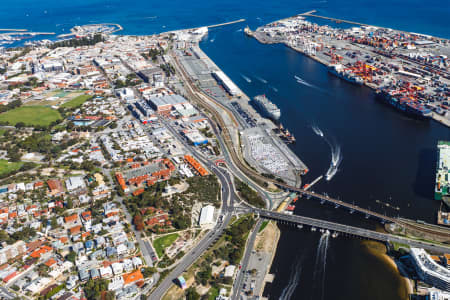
31	115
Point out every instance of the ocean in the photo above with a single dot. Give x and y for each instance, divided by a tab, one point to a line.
384	156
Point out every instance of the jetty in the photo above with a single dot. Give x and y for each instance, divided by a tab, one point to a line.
20	30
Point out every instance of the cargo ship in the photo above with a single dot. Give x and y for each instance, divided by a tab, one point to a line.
339	71
442	187
404	104
269	109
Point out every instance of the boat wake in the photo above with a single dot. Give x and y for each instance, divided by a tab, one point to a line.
305	83
294	280
274	89
239	30
261	79
336	154
246	78
336	159
317	130
321	262
212	40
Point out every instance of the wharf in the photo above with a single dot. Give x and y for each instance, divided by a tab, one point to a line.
309	14
343	48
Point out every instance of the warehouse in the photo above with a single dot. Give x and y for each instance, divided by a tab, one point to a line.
228	85
165	103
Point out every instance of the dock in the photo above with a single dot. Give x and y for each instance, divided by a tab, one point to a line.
310	14
313	183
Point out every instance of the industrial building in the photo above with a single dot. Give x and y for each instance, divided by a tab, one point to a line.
166	103
226	82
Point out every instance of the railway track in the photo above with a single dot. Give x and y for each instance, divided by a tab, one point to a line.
219	126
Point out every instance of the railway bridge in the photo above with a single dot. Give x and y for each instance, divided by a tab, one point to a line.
339	203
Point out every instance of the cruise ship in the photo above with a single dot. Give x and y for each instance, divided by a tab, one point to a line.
269	109
404	104
339	71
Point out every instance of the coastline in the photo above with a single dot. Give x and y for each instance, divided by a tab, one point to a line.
253	34
378	251
269	244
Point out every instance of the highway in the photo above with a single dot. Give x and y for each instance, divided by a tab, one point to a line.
350	230
237	285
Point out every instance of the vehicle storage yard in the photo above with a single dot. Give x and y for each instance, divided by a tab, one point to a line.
261	146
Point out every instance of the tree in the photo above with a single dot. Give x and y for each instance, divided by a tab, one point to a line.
148	271
93	288
53	222
191	294
69	203
137	221
71	256
20	125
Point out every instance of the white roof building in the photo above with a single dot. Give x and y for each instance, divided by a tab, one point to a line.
116	283
117	268
74	183
229	271
206	215
106	272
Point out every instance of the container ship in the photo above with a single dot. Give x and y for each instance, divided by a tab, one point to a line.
405	104
339	71
442	187
269	109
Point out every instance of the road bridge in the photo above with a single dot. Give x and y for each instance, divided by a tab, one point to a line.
349	230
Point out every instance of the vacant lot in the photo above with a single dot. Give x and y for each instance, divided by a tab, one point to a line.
8	167
77	101
31	115
163	242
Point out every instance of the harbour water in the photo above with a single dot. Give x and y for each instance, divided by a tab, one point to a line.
383	155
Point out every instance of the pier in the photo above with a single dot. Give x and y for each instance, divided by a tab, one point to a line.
21	30
311	14
307	187
214	25
226	23
297	221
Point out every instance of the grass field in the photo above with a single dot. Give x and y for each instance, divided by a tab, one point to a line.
8	167
77	101
163	242
31	115
263	225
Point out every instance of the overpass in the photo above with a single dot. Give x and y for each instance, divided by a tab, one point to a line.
348	230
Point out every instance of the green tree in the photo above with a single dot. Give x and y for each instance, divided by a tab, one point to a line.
191	294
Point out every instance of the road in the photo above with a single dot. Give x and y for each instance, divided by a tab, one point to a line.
146	250
228	196
237	286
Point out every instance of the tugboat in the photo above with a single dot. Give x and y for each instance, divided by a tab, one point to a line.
286	135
